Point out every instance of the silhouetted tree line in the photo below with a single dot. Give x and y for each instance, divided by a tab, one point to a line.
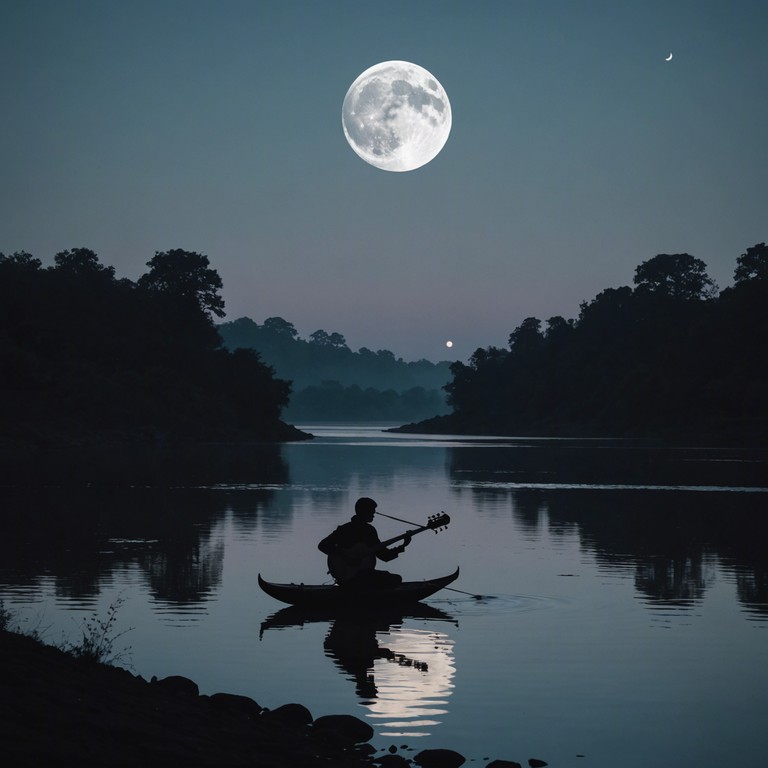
330	381
83	354
671	356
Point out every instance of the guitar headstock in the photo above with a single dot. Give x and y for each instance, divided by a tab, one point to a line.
438	522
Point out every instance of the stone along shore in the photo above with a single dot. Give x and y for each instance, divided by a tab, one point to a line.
56	709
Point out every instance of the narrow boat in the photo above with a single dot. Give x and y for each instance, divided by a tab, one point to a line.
334	596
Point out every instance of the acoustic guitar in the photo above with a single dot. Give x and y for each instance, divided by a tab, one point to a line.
359	558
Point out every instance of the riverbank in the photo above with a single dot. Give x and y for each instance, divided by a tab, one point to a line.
60	710
56	709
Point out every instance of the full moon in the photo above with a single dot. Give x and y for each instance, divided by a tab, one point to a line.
396	116
449	344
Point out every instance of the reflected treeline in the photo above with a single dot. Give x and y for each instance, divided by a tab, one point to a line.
150	464
77	521
610	462
671	524
679	580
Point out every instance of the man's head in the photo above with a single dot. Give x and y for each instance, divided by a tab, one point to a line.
365	508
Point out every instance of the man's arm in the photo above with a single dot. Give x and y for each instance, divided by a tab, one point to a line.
390	554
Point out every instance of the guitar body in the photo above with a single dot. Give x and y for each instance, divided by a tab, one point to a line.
355	560
350	562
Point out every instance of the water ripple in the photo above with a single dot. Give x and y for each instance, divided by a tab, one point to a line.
496	604
613	487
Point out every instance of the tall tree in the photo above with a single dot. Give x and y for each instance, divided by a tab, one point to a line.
280	327
752	265
558	328
526	337
337	341
328	340
81	262
676	275
186	275
21	260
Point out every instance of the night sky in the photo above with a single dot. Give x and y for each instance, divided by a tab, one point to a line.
576	153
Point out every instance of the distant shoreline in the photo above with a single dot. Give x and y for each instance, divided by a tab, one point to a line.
729	435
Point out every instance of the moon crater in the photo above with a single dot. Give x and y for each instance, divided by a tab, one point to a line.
396	116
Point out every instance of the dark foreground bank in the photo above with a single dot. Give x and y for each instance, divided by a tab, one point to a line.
56	709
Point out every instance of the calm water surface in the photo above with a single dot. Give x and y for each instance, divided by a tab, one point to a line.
618	592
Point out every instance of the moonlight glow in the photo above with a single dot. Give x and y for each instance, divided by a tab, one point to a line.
396	116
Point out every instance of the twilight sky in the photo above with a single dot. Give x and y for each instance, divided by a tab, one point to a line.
576	153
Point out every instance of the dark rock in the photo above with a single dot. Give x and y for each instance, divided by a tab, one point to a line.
503	764
231	702
96	715
392	761
293	715
439	758
534	763
181	686
342	729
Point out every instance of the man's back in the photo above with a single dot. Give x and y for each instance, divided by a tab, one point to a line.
349	534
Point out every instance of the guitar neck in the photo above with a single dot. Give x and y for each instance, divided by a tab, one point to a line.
385	544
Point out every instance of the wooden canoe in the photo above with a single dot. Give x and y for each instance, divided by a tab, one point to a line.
333	596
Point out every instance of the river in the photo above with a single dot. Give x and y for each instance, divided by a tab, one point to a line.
612	605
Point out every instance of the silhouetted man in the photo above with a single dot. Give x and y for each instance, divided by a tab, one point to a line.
353	547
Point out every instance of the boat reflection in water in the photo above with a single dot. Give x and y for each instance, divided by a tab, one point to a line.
402	674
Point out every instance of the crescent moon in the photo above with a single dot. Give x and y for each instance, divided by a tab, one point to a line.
669	58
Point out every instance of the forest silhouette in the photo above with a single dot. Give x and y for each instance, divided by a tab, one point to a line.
671	357
331	382
86	355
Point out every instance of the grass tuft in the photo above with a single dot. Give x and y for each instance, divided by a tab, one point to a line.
5	618
98	638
